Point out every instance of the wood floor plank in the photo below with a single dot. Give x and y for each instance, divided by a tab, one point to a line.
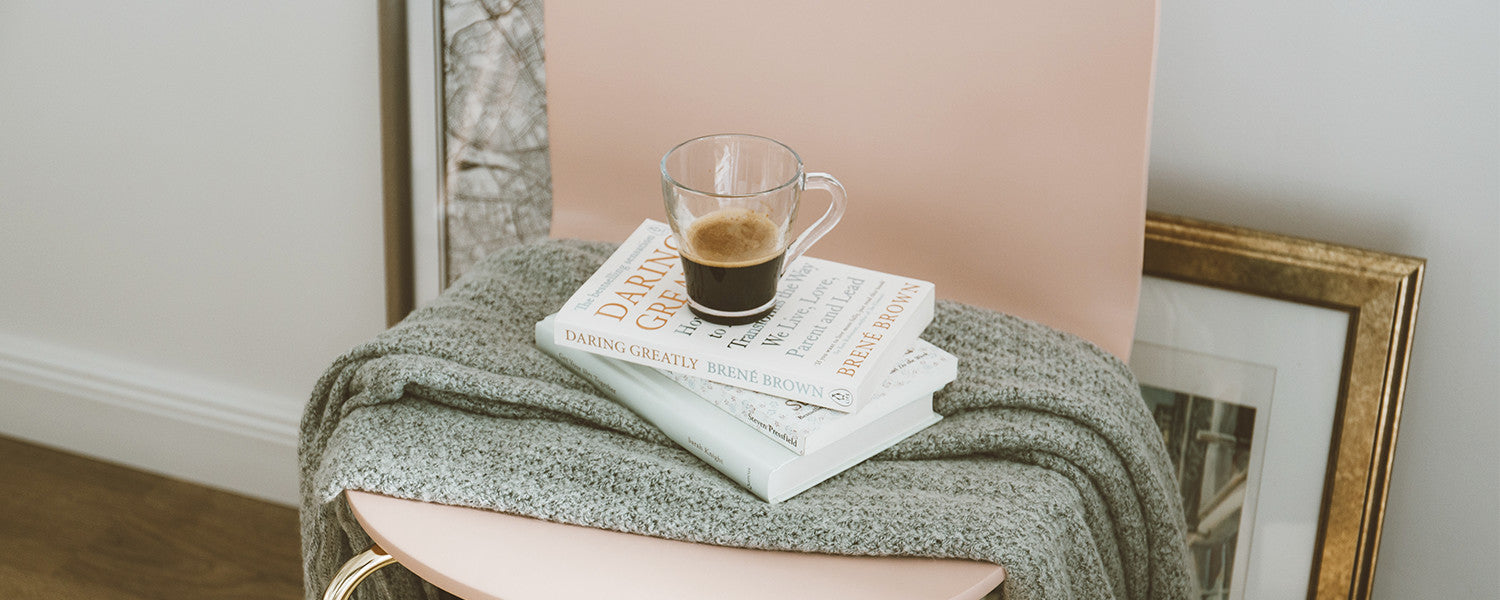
73	527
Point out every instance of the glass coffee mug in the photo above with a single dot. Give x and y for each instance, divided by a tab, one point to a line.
731	200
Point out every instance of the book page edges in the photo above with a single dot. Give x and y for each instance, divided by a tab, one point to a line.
802	474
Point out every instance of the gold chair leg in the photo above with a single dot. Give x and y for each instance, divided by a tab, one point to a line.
355	571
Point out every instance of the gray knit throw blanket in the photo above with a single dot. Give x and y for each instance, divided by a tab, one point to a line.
1047	461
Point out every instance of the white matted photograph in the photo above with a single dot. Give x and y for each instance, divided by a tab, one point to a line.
1213	415
1210	362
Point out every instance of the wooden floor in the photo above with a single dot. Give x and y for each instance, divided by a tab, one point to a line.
71	527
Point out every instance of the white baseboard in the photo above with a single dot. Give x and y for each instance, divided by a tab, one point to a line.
222	436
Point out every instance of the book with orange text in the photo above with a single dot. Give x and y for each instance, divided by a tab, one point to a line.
835	334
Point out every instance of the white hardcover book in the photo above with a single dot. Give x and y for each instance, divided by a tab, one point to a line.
834	335
749	458
804	428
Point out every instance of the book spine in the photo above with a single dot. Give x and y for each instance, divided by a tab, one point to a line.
776	382
792	440
731	400
915	319
745	456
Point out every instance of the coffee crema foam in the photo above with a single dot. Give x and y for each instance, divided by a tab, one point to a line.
733	237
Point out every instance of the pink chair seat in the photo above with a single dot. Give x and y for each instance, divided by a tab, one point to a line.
483	555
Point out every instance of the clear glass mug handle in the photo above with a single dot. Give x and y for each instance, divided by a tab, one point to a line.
821	181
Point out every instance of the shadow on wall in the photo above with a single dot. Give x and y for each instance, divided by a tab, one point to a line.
1302	211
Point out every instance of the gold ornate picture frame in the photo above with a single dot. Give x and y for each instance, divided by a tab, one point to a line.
1275	366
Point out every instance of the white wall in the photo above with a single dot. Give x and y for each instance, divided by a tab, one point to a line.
190	220
1374	124
190	204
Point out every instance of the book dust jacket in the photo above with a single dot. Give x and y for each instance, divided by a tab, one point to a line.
835	333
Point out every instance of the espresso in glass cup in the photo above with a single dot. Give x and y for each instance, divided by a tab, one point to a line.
731	200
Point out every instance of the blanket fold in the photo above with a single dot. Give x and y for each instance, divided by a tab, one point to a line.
1047	461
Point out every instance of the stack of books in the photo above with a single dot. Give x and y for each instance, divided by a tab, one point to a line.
835	374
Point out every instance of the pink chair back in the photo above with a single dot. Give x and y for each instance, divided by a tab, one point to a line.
997	149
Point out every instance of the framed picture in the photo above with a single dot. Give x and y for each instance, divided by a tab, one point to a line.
1275	368
464	130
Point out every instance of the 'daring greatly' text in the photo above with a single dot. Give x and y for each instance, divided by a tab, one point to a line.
636	350
640	284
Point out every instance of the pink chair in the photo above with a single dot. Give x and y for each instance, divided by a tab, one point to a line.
997	149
